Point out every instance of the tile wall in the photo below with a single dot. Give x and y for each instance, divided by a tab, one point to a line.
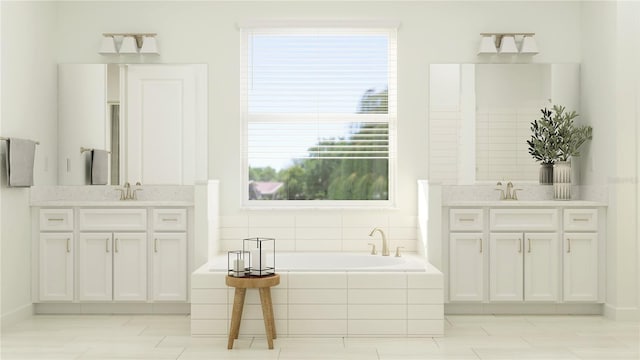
328	231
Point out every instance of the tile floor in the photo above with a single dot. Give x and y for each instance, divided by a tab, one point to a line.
467	337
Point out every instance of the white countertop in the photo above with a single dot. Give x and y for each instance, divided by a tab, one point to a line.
526	203
111	203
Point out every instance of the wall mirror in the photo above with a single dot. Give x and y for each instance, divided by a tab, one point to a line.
480	116
151	118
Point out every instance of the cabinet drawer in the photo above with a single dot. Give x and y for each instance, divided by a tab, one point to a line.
170	219
113	219
580	220
56	219
523	219
465	220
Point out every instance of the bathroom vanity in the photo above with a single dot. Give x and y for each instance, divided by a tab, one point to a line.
523	256
111	256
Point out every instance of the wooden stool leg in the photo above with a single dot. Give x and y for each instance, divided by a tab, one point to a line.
273	321
236	315
267	313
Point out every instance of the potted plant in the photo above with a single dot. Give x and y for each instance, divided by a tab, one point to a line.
554	140
544	144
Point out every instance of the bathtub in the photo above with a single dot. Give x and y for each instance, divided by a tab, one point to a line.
332	262
328	294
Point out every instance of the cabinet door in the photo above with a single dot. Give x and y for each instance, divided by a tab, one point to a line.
95	267
164	98
580	266
541	267
130	266
505	267
466	266
170	267
56	266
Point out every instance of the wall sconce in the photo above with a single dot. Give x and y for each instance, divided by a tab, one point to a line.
507	43
129	43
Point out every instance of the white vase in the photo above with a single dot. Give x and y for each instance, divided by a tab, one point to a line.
562	180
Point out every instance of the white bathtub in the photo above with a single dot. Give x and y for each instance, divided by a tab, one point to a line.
336	261
328	294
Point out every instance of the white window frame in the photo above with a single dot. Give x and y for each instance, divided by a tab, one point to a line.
390	118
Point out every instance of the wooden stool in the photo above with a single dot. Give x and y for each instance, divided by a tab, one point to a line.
263	284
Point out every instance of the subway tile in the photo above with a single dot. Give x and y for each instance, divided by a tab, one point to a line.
273	232
209	327
377	327
318	221
317	280
209	311
232	233
317	327
209	296
424	281
317	296
357	233
425	296
211	280
236	221
377	280
361	246
319	233
366	220
403	221
278	296
425	327
262	220
425	312
256	327
407	246
254	311
228	245
318	245
318	311
402	233
377	311
377	296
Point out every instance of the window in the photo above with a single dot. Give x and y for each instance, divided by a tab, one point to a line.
319	113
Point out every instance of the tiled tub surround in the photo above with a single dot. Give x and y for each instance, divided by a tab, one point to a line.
319	230
330	303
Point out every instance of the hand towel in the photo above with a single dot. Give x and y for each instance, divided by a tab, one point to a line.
20	157
99	167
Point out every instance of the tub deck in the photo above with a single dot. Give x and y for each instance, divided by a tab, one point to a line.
327	303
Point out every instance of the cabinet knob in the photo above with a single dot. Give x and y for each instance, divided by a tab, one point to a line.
68	245
480	244
568	245
155	245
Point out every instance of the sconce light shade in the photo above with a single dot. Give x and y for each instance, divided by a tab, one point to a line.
529	45
487	45
108	45
508	45
149	45
129	45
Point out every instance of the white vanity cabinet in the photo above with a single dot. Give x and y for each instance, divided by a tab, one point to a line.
112	258
169	255
56	254
533	255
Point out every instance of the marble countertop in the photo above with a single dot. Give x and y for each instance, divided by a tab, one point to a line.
110	203
525	203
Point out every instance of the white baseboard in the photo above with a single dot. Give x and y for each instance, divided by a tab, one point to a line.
522	309
17	315
113	308
621	314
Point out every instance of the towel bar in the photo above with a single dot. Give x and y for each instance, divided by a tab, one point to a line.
83	149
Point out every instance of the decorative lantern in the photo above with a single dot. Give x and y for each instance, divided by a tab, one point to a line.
238	263
262	255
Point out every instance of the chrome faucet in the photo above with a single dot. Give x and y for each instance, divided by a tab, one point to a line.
385	244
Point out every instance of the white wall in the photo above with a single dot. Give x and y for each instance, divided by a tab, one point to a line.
610	57
28	111
206	32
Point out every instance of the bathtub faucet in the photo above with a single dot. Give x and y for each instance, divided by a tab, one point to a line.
385	244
